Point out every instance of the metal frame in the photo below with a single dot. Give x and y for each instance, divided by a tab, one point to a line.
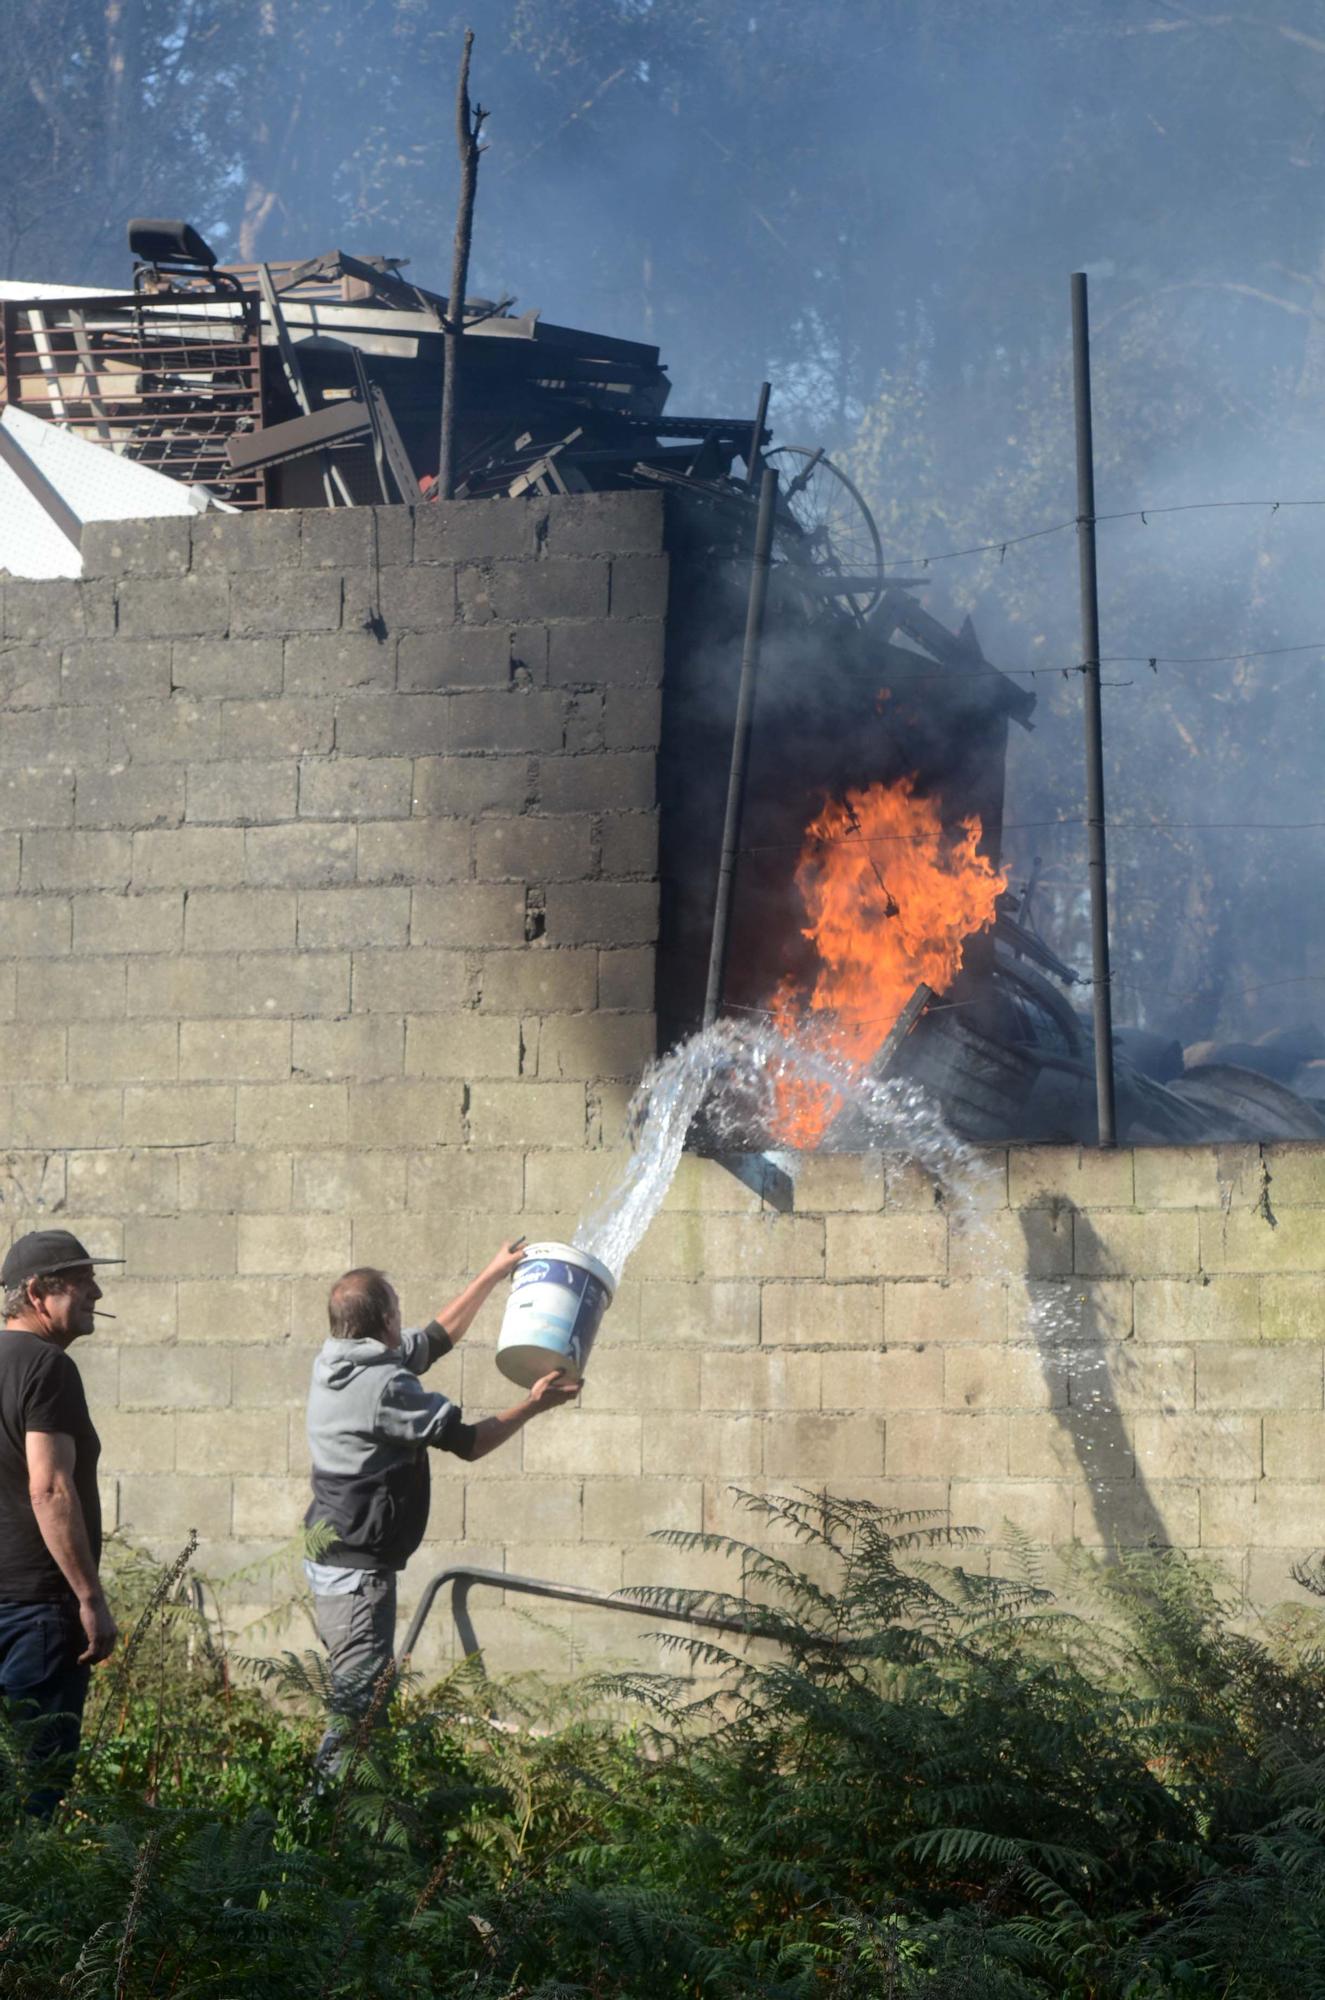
463	1576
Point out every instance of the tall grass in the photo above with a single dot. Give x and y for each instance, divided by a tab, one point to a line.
914	1779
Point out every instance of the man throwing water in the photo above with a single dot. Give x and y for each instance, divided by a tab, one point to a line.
371	1424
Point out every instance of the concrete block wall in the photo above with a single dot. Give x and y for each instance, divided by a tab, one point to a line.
327	922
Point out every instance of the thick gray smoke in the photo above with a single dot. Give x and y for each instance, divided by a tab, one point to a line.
877	206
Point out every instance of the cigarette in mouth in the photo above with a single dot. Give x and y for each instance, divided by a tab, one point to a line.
97	1315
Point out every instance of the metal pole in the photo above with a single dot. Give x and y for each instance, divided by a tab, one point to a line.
745	702
1090	649
755	455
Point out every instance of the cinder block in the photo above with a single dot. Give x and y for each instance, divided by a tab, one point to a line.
136	548
137	923
291	1114
1204	1309
295	1245
63	990
705	1187
178	731
1293	1442
357	788
282	728
171	1503
708	1314
1049	1176
539	981
1259	1378
35	798
1178	1177
1132	1378
577	1441
1077	1312
8	992
410	597
333	919
554	587
341	538
506	721
121	1182
35	926
1141	1246
1030	1242
366	1045
436	850
276	1373
530	849
751	1382
718	1448
900	1379
477	783
468	914
628	1510
607	655
1297	1174
29	676
261	920
348	1183
129	795
877	1246
626	979
1045	1447
1250	1242
555	1181
223	543
175	1378
251	1442
639	587
806	1448
337	662
1292	1308
469	656
60	860
448	1179
973	1309
281	601
628	844
918	1441
100	670
840	1181
411	982
70	738
461	530
179	1114
234	1051
1042	1509
530	1114
394	725
59	1115
1000	1378
190	1246
619	781
233	1180
761	1246
264	985
847	1315
641	1382
523	1509
596	1045
10	851
1183	1446
582	524
462	1045
611	913
632	719
300	856
405	1114
119	1051
188	857
136	1442
242	794
241	669
1282	1514
37	1053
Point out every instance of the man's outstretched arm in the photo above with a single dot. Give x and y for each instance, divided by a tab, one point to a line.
459	1316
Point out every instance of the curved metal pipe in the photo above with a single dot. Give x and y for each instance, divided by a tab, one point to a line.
463	1576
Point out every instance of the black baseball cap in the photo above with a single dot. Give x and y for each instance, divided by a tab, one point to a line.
43	1252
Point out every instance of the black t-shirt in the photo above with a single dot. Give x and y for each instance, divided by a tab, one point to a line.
40	1390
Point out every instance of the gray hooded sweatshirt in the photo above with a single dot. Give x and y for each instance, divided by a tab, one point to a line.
370	1423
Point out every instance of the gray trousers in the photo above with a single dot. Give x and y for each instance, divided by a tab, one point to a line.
358	1629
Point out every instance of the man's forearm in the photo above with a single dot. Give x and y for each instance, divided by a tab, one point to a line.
459	1316
489	1432
59	1515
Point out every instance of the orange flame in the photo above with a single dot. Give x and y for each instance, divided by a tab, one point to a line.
891	900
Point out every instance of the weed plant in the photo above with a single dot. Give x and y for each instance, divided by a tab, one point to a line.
911	1781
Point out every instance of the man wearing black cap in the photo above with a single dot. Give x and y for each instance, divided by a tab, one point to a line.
54	1619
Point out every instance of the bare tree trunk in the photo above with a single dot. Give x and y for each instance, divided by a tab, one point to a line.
468	125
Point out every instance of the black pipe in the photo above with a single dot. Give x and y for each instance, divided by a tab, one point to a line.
1090	647
754	457
745	703
463	1576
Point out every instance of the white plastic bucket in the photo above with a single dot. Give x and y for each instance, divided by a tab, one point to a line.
558	1297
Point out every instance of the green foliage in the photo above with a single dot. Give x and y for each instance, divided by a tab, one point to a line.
905	1778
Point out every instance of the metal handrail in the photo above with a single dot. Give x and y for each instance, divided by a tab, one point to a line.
463	1576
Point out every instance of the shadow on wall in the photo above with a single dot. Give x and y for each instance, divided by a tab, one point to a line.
1075	1339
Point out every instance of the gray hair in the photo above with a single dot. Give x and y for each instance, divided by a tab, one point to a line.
16	1300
